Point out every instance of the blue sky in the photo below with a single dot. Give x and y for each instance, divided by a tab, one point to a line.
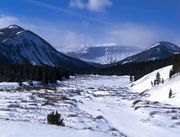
72	24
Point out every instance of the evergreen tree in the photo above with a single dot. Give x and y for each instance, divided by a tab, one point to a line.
162	81
152	83
170	93
172	72
131	78
157	80
55	119
67	75
38	74
53	76
30	82
20	83
45	77
18	73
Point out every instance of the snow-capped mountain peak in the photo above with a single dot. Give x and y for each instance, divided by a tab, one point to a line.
18	46
14	27
154	45
10	32
104	54
160	50
164	44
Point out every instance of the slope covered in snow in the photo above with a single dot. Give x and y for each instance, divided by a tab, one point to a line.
21	129
145	82
105	54
160	50
160	92
91	105
154	99
18	46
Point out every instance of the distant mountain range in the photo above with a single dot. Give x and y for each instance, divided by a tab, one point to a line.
154	57
20	46
104	54
160	50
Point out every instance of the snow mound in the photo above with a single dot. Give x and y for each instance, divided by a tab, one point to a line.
161	92
145	82
19	129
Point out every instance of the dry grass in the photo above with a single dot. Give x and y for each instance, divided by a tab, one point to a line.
136	102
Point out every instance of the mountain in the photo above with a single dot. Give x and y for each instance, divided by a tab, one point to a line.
154	57
19	46
104	54
160	50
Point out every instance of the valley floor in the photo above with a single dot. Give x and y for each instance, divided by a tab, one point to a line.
92	106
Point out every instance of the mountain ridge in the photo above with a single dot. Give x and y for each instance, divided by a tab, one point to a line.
157	51
19	46
104	54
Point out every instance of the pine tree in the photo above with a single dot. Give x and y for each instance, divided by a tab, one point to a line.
38	74
170	93
162	81
152	83
55	119
44	77
20	83
157	80
30	82
172	72
131	78
67	75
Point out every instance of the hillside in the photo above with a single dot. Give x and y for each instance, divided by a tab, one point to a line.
160	50
156	100
144	83
152	58
91	105
20	46
160	92
105	54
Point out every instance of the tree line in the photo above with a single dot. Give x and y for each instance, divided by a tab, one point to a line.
139	69
27	72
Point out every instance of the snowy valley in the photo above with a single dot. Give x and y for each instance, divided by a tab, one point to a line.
89	68
94	105
46	80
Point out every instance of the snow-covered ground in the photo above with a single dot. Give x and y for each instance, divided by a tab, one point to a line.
145	82
24	129
163	111
92	105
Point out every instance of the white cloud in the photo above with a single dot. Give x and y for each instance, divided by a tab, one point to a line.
65	39
62	38
139	35
98	5
77	3
75	41
93	5
130	34
7	20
